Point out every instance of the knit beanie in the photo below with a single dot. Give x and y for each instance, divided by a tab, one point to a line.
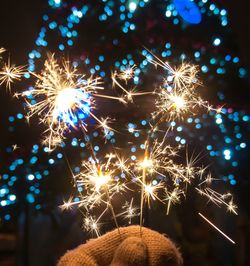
133	246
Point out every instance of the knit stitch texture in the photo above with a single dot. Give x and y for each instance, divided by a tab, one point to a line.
130	248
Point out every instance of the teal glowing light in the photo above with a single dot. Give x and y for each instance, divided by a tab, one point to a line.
12	197
217	42
30	177
132	6
227	154
30	198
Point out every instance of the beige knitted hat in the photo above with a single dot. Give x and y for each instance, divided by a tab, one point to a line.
127	249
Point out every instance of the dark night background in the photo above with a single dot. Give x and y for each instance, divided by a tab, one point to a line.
20	22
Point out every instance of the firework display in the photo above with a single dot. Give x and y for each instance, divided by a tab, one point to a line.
68	102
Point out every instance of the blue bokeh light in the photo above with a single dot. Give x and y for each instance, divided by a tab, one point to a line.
188	10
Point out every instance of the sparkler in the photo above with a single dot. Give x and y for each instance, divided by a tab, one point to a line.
178	95
160	172
9	73
100	182
65	99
